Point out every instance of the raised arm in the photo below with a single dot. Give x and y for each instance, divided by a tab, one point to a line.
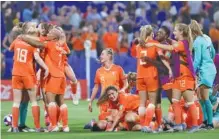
33	41
163	46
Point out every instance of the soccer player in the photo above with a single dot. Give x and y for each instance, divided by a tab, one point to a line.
108	74
147	76
23	75
184	81
127	105
54	60
214	98
204	54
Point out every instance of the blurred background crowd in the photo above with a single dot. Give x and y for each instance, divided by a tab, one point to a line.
106	24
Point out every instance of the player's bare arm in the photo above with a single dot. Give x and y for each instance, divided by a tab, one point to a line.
33	41
94	94
41	63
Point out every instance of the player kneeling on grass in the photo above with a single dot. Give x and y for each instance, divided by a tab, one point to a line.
127	105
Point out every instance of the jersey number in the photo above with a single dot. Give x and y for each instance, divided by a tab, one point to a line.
143	54
22	55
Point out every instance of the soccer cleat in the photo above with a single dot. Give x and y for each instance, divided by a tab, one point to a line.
75	99
171	130
90	124
65	129
159	129
178	128
14	129
53	129
25	129
9	130
210	127
40	130
146	129
194	129
203	126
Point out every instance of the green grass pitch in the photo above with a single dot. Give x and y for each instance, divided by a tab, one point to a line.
79	115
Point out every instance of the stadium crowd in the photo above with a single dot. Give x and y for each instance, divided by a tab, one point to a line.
99	21
180	66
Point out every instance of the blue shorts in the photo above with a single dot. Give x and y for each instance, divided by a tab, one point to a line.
206	80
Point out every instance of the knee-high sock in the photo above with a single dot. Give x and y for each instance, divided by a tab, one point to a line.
141	112
36	116
203	110
193	113
52	109
23	113
177	110
209	111
64	114
149	114
158	113
15	115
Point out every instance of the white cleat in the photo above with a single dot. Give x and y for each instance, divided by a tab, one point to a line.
66	129
54	129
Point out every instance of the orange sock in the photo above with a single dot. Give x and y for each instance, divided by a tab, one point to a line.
158	113
58	113
177	110
74	88
15	115
64	114
193	113
141	112
36	116
52	113
149	114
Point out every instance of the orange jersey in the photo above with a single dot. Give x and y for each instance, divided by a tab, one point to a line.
184	70
92	37
77	44
23	58
145	69
128	102
110	40
54	59
65	58
113	76
42	51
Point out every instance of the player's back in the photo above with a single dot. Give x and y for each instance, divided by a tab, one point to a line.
23	58
145	69
130	102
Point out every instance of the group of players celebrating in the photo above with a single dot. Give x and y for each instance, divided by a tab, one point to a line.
45	45
184	68
162	64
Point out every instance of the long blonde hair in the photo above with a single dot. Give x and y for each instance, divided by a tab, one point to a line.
186	32
195	28
145	31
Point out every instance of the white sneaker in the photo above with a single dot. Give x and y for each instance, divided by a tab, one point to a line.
75	99
66	129
54	129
